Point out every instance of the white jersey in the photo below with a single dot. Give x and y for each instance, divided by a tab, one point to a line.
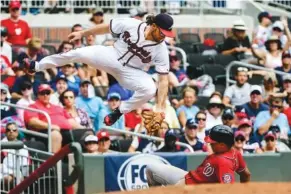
132	48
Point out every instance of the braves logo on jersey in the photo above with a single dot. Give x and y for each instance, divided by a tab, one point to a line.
136	50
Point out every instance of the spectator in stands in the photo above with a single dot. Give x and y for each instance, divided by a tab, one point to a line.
263	31
61	86
287	110
228	117
104	142
91	144
96	19
213	113
239	141
36	79
280	146
145	145
272	117
191	138
6	49
5	68
286	67
255	105
269	88
238	93
67	98
272	57
73	80
117	88
278	30
6	111
77	43
26	99
200	119
252	143
286	84
271	141
137	13
61	121
18	30
65	46
171	138
89	102
132	119
238	44
8	168
114	100
188	109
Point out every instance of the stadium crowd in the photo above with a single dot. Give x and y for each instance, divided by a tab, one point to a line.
77	97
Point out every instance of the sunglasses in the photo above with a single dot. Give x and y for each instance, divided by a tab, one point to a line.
242	69
67	97
269	139
26	88
11	130
277	106
46	92
3	91
240	138
201	119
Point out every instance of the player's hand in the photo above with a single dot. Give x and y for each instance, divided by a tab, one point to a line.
275	114
75	36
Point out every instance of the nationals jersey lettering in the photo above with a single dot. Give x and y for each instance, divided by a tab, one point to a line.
134	50
217	168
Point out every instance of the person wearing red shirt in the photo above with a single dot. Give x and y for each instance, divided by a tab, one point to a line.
18	30
218	167
61	121
287	111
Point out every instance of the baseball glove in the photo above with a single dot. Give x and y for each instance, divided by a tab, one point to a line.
152	121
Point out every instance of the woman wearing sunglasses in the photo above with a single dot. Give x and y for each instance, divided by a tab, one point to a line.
200	119
26	99
67	98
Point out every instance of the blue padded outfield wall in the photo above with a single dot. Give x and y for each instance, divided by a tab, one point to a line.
127	171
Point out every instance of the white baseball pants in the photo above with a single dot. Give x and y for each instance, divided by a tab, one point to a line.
163	174
105	58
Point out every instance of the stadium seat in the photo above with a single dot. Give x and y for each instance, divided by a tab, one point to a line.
189	38
52	50
223	60
198	59
256	80
213	70
187	47
218	37
198	47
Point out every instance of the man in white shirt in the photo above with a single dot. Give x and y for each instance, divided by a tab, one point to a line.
238	93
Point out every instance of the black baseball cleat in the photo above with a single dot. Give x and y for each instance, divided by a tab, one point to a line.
112	117
29	64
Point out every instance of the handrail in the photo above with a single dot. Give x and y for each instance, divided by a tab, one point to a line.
239	63
52	161
15	145
184	56
147	137
39	111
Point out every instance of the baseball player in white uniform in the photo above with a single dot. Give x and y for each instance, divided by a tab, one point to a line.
139	45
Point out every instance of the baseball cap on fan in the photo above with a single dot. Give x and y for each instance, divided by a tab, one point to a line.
165	23
14	4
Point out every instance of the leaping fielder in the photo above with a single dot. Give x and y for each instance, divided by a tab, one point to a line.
139	45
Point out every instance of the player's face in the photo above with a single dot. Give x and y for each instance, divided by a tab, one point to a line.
219	147
157	34
189	98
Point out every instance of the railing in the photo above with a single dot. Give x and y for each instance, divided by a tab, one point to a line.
152	6
238	63
48	135
34	176
19	162
280	3
120	131
184	56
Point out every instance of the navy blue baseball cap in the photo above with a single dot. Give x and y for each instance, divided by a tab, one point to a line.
165	23
191	124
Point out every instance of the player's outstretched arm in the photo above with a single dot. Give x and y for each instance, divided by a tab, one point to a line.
245	175
162	92
96	30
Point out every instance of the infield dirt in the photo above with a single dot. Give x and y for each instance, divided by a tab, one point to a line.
253	188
